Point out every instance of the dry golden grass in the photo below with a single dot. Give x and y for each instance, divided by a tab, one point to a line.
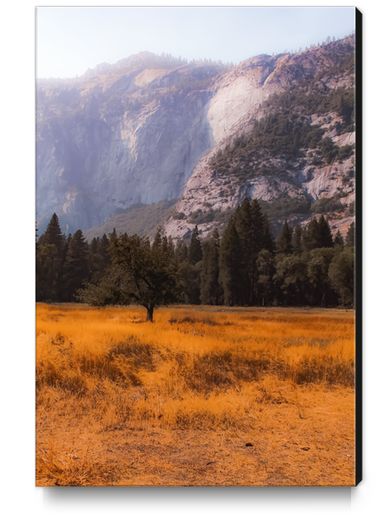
263	397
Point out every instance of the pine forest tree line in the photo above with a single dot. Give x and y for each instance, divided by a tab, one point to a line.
245	266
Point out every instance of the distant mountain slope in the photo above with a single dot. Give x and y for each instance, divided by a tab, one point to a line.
141	219
151	128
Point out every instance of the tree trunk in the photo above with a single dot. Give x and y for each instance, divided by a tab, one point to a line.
150	313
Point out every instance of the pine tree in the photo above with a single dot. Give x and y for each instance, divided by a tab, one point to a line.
350	236
158	240
338	240
61	294
254	233
284	241
325	237
263	235
53	234
104	251
296	239
49	261
195	249
191	269
113	238
170	247
94	246
46	255
76	269
230	263
266	269
211	292
318	270
181	251
95	261
311	238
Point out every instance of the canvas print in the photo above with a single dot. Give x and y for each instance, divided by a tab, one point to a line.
198	246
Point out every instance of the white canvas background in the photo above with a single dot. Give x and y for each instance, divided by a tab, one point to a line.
17	352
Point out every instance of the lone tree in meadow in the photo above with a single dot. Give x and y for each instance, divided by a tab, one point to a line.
139	273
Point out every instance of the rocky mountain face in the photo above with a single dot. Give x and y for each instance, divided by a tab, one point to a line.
277	128
120	135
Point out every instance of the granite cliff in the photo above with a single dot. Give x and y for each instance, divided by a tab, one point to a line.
151	128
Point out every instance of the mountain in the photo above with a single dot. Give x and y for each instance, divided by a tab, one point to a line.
154	128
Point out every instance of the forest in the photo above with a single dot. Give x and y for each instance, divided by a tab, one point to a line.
244	266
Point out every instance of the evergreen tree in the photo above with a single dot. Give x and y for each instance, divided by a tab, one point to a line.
318	274
246	231
284	241
269	240
185	253
93	258
49	261
263	236
254	234
350	236
170	247
192	269
113	239
195	249
76	269
211	291
98	259
192	282
94	246
296	239
345	110
266	269
311	237
325	237
230	263
179	250
338	240
158	240
53	234
61	293
104	252
46	255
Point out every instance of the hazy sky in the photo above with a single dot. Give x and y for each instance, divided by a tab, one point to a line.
72	39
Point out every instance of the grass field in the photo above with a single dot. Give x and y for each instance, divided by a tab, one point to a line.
203	396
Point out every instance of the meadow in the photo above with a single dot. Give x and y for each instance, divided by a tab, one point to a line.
204	396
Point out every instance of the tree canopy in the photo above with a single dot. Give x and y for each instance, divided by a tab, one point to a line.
243	267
